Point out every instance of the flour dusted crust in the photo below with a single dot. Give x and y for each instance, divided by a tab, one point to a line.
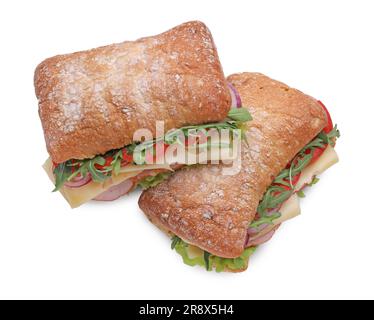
213	211
92	101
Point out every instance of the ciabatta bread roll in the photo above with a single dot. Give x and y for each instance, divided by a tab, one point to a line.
93	101
213	211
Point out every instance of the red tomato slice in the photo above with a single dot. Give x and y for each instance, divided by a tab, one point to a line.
73	167
126	158
200	138
190	141
108	162
295	179
329	125
150	155
160	151
317	153
203	137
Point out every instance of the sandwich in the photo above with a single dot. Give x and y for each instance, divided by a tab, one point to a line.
93	103
216	220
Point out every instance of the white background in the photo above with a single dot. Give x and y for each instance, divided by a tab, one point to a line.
109	250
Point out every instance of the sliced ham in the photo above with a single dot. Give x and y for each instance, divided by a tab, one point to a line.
116	191
126	186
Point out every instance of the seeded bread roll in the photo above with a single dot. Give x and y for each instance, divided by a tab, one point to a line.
93	101
213	211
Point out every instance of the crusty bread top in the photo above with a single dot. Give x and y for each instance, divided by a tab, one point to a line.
93	101
213	211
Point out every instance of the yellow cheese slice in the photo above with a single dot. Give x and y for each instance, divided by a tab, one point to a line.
289	209
78	196
328	158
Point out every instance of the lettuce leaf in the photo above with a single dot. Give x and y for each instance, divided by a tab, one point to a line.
209	261
153	181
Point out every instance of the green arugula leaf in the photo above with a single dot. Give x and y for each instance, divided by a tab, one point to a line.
265	220
131	147
333	135
96	174
281	176
239	114
274	196
301	194
301	164
61	173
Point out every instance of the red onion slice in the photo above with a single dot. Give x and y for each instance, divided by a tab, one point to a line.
236	102
251	242
77	182
270	212
252	232
115	192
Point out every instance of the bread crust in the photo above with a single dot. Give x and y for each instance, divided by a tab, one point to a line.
213	211
93	101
